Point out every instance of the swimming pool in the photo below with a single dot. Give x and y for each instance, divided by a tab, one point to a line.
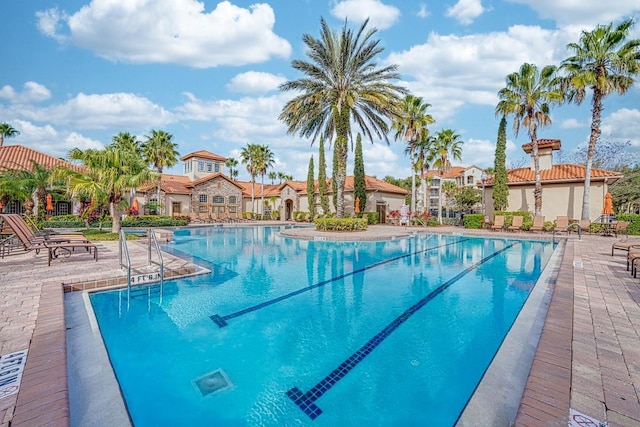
293	332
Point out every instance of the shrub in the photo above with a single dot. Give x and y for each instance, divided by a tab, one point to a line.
64	221
372	217
154	221
473	221
634	222
341	224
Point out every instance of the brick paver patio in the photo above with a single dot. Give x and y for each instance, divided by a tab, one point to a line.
588	357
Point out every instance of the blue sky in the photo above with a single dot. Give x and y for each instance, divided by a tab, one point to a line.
77	73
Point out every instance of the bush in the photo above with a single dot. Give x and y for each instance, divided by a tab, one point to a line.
475	221
372	217
64	221
154	221
527	218
634	222
341	224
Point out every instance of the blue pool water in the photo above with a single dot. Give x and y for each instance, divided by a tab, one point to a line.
288	332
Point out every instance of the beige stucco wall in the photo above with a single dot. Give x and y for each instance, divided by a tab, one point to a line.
557	199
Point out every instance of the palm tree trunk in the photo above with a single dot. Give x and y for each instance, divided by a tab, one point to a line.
253	203
537	191
262	196
596	114
116	222
413	185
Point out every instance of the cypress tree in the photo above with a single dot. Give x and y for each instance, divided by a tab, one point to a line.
500	191
311	193
334	185
322	178
359	191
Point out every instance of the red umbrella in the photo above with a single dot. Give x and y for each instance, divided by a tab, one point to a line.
49	202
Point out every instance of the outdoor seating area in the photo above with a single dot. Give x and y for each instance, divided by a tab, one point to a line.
55	245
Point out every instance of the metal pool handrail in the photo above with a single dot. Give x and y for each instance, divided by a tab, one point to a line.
123	249
152	237
553	236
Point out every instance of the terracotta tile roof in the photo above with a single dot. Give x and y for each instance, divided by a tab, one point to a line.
554	144
204	154
170	184
452	173
20	157
269	189
558	173
370	184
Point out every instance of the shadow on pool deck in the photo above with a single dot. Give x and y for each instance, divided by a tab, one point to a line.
588	356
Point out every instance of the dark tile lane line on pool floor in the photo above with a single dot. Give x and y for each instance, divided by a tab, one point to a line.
306	401
221	321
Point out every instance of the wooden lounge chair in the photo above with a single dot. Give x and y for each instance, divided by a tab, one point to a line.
620	227
516	223
538	224
498	222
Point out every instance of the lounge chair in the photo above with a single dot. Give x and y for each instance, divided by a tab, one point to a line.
498	222
516	223
562	224
193	217
53	247
625	245
18	224
585	225
538	224
204	217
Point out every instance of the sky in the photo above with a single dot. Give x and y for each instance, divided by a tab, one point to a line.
78	72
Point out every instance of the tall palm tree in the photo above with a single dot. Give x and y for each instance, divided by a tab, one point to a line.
7	131
411	125
272	176
527	97
282	177
249	156
128	143
231	163
109	174
423	152
342	84
159	150
446	144
604	62
264	161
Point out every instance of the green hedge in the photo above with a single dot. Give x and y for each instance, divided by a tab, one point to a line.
72	221
473	221
341	224
634	222
372	217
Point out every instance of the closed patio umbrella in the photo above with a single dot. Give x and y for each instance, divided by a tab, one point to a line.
608	204
49	202
357	207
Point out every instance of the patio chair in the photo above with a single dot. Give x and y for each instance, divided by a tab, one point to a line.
625	245
18	224
538	224
55	248
621	227
516	223
193	217
498	222
585	225
561	224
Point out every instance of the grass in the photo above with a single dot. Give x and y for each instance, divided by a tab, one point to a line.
104	235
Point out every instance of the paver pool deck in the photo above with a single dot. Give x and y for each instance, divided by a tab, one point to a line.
587	359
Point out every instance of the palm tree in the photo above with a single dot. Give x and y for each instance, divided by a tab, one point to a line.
264	161
527	97
411	125
604	62
282	177
446	144
128	143
342	84
249	156
231	163
7	131
23	184
272	176
159	150
109	174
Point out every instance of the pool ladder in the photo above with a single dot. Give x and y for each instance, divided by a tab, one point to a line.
125	258
569	227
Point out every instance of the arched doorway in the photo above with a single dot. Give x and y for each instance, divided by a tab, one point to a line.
288	209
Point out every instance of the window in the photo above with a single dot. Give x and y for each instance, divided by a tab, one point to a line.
217	166
200	166
187	166
233	200
203	198
470	179
218	200
62	208
209	167
232	209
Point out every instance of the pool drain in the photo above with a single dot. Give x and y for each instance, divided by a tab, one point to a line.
213	382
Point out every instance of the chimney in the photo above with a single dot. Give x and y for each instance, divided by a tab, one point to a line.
545	152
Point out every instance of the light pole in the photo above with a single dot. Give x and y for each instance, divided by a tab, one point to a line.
483	178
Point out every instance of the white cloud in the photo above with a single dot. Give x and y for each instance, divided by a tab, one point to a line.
255	82
380	160
465	11
450	71
50	140
571	124
170	31
380	15
423	12
32	92
582	13
621	126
